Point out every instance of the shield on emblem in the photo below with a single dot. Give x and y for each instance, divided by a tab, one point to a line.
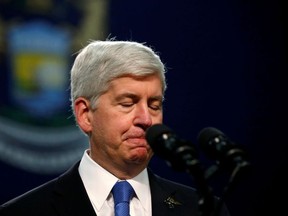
39	55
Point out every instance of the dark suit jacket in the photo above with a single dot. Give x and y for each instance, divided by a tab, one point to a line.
66	196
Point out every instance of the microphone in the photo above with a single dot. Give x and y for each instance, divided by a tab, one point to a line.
178	153
181	156
228	155
219	147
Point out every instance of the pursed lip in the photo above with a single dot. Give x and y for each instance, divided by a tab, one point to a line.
137	138
135	135
140	141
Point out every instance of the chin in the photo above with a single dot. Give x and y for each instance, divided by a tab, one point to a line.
141	156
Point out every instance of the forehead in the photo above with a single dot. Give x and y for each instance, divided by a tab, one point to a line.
137	82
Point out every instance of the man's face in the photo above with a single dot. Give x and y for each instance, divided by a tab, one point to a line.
121	118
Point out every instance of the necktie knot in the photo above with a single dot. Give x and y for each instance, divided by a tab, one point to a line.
122	194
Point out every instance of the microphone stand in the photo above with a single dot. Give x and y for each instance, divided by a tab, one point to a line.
206	198
206	202
185	160
236	173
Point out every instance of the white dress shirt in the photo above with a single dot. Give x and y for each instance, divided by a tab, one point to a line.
98	183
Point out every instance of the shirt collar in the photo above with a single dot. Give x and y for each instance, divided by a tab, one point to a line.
141	186
99	189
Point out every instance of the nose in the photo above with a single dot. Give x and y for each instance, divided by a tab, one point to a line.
142	117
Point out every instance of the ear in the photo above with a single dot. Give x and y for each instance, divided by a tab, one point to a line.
82	110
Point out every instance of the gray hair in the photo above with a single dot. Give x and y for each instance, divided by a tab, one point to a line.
100	62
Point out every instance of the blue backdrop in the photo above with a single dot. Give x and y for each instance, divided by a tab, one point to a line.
227	69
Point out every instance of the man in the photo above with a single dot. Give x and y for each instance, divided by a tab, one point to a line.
117	91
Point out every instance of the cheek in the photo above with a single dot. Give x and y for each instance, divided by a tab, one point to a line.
157	119
111	126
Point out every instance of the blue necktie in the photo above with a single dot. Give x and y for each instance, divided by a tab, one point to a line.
122	194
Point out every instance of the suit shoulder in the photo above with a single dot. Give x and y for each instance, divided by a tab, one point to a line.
39	196
47	198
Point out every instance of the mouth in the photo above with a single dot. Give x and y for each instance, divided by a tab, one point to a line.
136	138
140	141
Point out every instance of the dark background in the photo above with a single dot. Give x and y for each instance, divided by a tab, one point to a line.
227	68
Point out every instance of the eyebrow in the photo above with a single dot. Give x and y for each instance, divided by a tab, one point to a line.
158	98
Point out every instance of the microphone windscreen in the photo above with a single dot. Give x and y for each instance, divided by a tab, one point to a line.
155	131
179	153
208	134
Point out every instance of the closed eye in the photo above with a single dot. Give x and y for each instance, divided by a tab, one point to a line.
155	107
155	103
126	104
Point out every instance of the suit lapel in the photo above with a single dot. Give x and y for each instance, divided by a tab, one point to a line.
159	197
168	200
70	195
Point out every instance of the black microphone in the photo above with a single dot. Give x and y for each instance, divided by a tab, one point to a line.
181	156
178	153
219	147
229	156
